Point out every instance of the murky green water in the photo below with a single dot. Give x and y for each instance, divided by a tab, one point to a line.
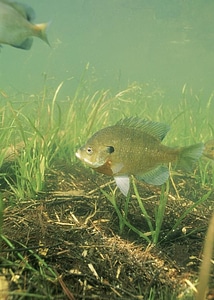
164	43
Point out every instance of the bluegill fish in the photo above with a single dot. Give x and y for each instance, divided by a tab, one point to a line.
209	149
16	28
133	147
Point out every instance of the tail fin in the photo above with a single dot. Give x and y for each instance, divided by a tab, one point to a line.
40	30
189	155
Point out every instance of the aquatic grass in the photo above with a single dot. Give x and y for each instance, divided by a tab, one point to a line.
30	169
143	210
50	132
153	235
154	229
39	270
206	263
123	220
82	115
161	294
54	129
205	174
31	164
1	215
159	211
7	125
64	126
191	208
112	198
39	144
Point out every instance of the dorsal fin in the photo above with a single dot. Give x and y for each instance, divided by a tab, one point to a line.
158	130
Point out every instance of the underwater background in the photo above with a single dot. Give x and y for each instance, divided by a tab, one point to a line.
166	44
108	59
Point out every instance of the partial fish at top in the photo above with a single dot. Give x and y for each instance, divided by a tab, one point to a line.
16	28
133	147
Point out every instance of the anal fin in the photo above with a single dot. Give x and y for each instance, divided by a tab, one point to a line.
156	176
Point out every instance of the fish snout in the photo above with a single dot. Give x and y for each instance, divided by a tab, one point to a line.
78	155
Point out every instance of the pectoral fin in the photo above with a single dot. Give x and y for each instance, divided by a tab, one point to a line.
26	44
123	183
156	176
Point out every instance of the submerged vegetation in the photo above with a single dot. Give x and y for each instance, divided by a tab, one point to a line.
63	226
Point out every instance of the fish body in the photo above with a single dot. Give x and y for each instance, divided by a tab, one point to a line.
209	149
133	147
16	28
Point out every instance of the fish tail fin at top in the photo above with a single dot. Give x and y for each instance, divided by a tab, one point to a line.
41	31
189	155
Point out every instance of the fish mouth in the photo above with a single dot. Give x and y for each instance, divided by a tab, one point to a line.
78	155
91	164
87	161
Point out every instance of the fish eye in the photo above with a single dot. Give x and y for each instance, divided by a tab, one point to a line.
110	149
89	150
